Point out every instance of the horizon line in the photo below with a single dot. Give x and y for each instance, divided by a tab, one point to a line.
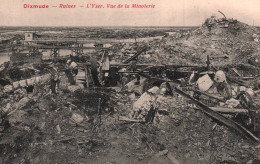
96	26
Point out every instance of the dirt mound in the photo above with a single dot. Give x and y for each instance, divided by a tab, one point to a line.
224	40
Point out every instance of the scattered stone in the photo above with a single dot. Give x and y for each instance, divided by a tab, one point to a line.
20	93
165	89
220	77
81	86
58	129
232	103
17	117
147	56
30	81
161	153
8	88
250	91
242	89
245	146
23	83
6	108
132	96
143	105
221	104
172	158
73	88
77	118
132	87
27	128
154	90
116	89
16	85
204	82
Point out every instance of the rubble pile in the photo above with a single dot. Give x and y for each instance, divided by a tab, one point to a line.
187	128
230	41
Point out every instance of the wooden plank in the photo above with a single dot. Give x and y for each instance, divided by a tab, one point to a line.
228	110
123	118
214	97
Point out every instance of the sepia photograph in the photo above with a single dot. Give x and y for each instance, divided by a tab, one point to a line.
129	82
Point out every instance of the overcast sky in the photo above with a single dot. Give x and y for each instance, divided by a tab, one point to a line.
165	13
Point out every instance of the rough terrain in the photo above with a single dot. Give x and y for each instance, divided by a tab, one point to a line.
84	125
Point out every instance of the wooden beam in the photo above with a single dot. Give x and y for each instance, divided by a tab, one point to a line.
228	110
